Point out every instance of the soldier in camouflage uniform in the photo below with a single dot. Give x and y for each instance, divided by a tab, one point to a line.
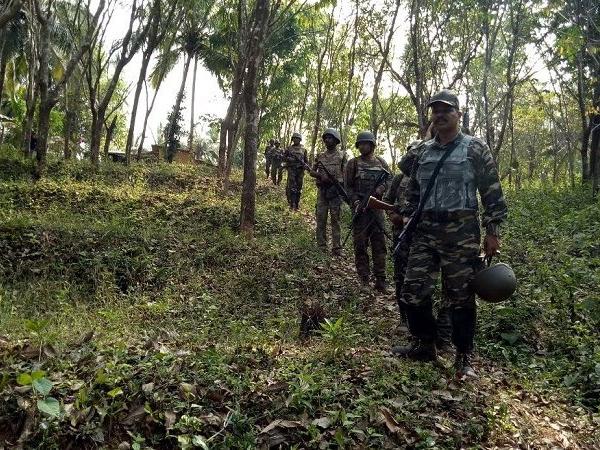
359	178
269	156
396	195
329	200
276	163
293	157
448	235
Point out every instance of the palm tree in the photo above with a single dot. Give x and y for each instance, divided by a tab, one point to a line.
192	42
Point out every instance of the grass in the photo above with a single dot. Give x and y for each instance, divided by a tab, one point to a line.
157	325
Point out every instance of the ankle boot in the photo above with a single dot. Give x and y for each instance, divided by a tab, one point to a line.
418	350
463	366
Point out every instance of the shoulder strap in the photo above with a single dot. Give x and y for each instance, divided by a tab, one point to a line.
434	175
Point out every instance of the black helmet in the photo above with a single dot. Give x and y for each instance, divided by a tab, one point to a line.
365	136
332	132
495	283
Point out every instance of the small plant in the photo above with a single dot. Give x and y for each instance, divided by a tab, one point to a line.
337	334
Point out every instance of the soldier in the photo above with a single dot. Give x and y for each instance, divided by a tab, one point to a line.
448	234
396	195
276	163
360	176
269	156
295	156
329	200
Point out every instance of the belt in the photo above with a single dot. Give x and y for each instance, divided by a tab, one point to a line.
449	216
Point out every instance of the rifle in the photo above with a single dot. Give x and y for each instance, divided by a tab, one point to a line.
338	186
362	207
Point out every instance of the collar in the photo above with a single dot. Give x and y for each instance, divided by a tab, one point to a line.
459	137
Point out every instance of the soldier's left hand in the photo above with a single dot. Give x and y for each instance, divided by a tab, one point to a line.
491	245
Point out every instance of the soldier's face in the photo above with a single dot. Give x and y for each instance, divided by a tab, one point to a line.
365	148
329	140
296	141
444	117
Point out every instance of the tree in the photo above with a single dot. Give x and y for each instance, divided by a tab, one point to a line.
49	91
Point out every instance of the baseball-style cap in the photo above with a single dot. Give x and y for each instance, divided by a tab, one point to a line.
445	96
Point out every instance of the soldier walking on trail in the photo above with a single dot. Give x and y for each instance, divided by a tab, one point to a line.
396	195
329	200
360	178
448	234
269	156
294	157
276	163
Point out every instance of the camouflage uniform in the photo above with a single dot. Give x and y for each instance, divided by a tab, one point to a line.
359	178
448	235
329	200
295	174
268	159
276	165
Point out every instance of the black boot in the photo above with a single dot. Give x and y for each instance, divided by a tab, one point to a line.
422	326
401	306
463	366
380	285
418	350
463	329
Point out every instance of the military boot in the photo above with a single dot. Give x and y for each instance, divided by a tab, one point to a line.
418	350
380	285
444	330
463	366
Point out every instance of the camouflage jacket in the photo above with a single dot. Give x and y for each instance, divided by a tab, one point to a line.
360	175
298	151
486	181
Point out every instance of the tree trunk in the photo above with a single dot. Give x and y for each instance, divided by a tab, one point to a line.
255	52
191	135
136	98
148	112
67	127
109	134
227	124
169	151
585	127
3	63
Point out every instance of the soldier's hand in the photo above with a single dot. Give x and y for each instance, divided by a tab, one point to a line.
380	190
396	219
491	245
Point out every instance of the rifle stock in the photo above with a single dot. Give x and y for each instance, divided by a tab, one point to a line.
375	203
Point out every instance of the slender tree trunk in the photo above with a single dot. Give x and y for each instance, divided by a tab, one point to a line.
170	152
3	62
109	135
191	134
147	116
136	98
255	53
67	127
585	127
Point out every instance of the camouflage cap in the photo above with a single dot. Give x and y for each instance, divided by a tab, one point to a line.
445	96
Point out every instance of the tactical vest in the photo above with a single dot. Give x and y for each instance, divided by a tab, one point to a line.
296	151
454	188
366	173
334	163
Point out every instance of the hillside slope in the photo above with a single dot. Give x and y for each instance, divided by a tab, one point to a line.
133	315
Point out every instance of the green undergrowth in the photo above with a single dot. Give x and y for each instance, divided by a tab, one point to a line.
134	315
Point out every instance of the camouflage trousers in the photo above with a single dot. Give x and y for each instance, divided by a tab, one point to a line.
367	232
295	180
331	207
443	320
453	247
268	163
276	172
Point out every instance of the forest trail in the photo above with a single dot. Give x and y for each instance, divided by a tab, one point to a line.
132	315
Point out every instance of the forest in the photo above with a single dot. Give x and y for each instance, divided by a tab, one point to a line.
154	284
